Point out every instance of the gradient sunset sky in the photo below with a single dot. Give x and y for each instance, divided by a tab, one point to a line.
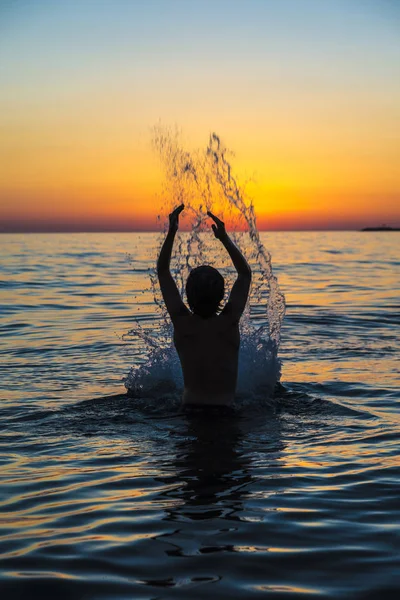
305	92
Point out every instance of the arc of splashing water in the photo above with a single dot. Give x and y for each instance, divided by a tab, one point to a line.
276	306
179	163
206	172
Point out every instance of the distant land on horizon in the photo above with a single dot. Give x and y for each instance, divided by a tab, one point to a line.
381	228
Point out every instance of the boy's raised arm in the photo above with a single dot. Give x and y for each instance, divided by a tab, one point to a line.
169	290
240	290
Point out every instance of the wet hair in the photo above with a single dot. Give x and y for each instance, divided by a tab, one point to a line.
205	288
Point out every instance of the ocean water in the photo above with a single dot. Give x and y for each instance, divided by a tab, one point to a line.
105	496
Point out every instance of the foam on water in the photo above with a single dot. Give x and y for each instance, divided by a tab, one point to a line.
203	180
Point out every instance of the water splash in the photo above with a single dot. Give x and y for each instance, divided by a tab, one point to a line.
204	180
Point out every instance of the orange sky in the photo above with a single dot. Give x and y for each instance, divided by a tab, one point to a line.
308	100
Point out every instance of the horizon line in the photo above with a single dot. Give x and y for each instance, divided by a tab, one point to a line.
55	231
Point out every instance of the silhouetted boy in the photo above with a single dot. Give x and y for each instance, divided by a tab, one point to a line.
206	338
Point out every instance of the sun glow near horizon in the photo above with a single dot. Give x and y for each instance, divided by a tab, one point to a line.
308	103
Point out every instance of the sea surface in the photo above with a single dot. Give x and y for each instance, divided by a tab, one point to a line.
105	496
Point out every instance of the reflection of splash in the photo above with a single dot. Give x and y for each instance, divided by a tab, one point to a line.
203	180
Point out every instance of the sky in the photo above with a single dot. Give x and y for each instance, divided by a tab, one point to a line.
305	92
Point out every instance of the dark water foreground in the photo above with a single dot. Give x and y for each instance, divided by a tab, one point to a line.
119	498
102	500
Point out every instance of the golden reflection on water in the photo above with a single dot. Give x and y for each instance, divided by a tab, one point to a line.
364	456
265	549
363	370
285	589
40	574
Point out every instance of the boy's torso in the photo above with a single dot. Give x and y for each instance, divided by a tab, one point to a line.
208	350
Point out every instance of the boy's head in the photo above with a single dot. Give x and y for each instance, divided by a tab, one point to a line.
205	291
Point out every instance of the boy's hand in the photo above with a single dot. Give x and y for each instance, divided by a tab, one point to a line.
174	218
219	227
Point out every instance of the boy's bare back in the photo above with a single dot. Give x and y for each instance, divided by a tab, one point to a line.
208	350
